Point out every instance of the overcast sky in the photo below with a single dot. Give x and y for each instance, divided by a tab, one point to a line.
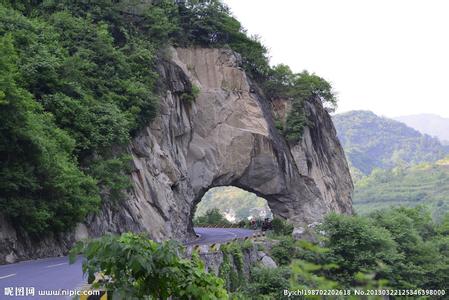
388	56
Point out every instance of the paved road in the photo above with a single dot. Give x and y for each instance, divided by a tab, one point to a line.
42	274
214	235
56	273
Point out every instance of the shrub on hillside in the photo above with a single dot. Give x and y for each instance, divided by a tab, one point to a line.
281	227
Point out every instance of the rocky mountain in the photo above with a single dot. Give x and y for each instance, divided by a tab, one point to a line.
226	137
371	141
431	124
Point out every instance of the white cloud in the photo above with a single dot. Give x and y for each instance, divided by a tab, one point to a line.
389	56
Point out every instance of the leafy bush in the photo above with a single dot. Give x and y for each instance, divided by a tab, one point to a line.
211	217
356	244
192	95
307	273
298	88
267	282
284	251
400	248
400	245
137	267
281	227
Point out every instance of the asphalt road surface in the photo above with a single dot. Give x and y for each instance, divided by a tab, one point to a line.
215	235
50	274
56	274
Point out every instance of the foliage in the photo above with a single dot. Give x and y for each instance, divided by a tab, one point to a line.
307	273
423	184
267	283
372	142
399	248
211	217
402	246
262	283
138	267
209	23
284	251
231	269
281	227
192	95
357	244
85	95
298	88
41	187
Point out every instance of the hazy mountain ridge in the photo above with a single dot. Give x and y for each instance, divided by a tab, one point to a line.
371	141
430	124
393	164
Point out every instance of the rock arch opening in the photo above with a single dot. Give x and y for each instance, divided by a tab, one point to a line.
233	205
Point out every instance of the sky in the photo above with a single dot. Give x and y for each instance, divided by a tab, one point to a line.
388	56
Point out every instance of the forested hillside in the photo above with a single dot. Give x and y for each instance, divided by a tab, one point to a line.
373	142
424	184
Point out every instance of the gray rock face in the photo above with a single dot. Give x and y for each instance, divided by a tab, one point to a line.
298	233
226	137
266	260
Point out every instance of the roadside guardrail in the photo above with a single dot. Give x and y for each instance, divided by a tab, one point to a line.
214	247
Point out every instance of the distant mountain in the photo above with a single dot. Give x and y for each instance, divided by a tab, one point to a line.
430	124
371	141
423	184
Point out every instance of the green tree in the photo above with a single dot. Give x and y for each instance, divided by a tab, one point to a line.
356	245
139	268
41	187
211	217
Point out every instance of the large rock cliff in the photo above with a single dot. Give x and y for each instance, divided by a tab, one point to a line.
225	137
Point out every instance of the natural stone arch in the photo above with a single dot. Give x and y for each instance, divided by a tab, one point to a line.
235	204
225	137
234	140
